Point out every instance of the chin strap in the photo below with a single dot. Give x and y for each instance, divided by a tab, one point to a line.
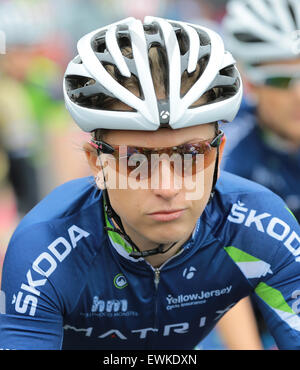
115	217
215	178
151	252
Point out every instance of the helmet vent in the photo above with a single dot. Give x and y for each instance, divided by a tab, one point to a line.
150	29
225	85
124	42
204	38
77	82
189	79
98	44
183	41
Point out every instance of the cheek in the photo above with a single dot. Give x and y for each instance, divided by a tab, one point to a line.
273	106
199	195
120	197
126	202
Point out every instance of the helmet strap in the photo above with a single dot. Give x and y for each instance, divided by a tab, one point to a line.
215	177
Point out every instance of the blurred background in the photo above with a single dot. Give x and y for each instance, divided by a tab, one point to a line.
40	146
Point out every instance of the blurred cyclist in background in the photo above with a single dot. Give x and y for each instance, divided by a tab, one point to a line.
32	112
18	131
264	37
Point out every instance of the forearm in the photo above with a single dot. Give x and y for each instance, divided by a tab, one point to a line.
238	327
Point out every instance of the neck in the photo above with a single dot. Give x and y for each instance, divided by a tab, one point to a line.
145	244
278	141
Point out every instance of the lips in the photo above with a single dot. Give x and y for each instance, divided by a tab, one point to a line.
168	215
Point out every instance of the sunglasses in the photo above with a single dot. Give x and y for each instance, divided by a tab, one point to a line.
186	159
281	82
281	77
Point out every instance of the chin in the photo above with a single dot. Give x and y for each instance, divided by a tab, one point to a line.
169	235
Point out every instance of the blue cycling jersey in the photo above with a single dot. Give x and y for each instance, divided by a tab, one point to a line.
266	162
69	284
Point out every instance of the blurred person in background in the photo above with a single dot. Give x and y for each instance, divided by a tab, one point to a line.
264	37
18	184
32	112
208	10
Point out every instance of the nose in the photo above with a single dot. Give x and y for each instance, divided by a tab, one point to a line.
164	181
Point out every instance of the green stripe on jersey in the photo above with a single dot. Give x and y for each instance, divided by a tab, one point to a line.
240	256
252	267
272	297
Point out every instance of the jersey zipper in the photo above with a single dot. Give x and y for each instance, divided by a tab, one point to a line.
156	283
157	271
156	277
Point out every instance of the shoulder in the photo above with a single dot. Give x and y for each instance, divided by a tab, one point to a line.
61	234
69	206
250	216
231	186
234	192
56	242
70	212
64	201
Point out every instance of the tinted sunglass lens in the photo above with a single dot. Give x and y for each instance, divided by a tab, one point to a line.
279	82
185	159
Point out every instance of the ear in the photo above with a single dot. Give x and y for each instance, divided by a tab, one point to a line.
221	151
92	158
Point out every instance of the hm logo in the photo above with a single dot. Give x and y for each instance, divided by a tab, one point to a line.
111	305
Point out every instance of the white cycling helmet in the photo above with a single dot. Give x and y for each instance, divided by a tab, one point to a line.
86	79
257	31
